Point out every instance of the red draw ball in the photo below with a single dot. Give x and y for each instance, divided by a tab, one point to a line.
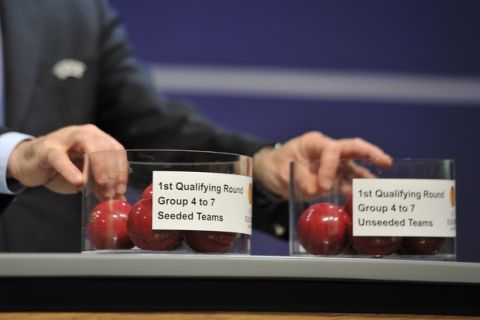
348	206
324	229
210	241
147	193
376	246
141	233
423	245
107	226
372	245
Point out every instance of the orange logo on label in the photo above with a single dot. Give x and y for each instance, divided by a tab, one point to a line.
452	196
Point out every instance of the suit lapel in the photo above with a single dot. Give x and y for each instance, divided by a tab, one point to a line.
22	35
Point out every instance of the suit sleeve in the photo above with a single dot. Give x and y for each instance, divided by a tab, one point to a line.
5	199
131	110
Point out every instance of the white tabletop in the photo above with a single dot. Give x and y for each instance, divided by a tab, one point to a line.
234	266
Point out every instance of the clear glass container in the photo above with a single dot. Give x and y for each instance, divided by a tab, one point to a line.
167	201
404	211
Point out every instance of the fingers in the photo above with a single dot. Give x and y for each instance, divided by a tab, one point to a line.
329	163
314	146
360	149
108	165
319	147
61	163
305	179
123	170
349	170
54	161
108	173
319	162
332	156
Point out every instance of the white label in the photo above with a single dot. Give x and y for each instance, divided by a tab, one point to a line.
201	201
403	207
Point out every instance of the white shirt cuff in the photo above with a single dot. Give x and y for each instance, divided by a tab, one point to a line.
8	142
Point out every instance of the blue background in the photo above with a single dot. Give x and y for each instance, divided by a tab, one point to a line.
429	38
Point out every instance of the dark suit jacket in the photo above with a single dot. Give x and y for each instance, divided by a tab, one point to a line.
114	93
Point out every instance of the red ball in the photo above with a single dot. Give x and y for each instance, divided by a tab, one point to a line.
141	233
348	206
324	228
210	241
376	246
423	245
147	193
107	226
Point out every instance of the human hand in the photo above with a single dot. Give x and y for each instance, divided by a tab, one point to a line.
55	161
272	165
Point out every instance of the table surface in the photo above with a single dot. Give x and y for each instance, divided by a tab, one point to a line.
235	266
86	282
215	316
